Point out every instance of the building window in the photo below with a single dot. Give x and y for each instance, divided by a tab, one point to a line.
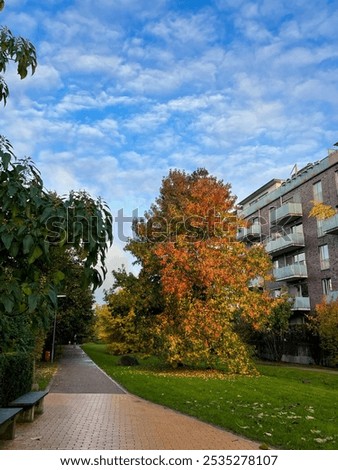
324	257
336	179
318	192
303	289
326	286
272	215
320	231
299	258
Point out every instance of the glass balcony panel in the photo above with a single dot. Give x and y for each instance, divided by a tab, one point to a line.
250	233
286	243
301	303
330	225
287	213
292	271
332	296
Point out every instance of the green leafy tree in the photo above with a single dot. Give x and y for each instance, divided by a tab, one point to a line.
272	333
35	222
125	321
14	49
75	313
144	293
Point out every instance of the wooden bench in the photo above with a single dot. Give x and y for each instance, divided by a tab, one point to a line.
7	422
31	404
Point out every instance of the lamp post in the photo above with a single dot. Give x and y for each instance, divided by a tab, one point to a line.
54	330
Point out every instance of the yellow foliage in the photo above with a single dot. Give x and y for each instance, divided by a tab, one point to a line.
202	333
119	332
321	211
122	333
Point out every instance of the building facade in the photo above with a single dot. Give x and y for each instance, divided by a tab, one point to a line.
304	250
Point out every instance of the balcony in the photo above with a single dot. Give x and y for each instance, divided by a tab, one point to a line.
330	225
290	272
284	244
249	233
332	296
287	213
301	303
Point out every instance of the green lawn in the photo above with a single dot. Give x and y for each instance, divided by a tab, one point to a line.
285	407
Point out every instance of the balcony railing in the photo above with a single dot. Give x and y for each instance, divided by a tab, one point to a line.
332	296
301	303
331	225
289	242
249	233
292	271
287	213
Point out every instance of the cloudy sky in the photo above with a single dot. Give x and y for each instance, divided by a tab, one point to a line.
127	89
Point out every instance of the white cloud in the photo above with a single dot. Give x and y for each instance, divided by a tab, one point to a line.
25	23
46	77
188	32
313	88
146	122
58	177
302	56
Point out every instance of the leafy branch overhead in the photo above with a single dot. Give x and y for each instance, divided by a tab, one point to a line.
18	50
33	222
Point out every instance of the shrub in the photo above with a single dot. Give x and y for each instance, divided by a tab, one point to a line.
128	361
16	375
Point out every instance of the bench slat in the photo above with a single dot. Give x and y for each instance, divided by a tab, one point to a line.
29	399
8	413
32	404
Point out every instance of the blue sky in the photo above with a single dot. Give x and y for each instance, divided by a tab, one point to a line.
127	89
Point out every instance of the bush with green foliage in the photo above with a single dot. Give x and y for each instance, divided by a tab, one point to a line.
271	337
16	375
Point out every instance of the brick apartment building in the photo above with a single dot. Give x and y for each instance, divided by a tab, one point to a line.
304	250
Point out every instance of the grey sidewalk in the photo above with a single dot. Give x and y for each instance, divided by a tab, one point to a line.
77	373
86	410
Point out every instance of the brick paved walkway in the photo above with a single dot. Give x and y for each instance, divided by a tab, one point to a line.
85	409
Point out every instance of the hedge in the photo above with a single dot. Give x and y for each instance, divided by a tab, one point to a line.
16	375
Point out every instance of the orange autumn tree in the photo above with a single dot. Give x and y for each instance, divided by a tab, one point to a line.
205	274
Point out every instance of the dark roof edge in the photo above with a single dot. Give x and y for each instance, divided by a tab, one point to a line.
260	190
